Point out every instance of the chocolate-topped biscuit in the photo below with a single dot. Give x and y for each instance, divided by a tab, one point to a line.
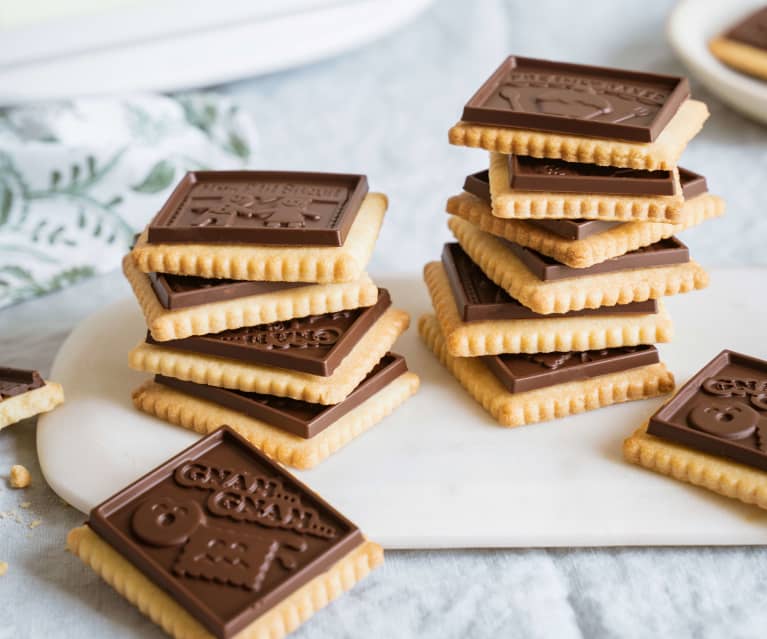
752	30
662	253
525	372
15	381
300	418
557	176
557	97
183	291
261	208
478	298
316	344
226	533
722	410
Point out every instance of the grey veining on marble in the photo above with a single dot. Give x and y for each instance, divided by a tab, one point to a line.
385	110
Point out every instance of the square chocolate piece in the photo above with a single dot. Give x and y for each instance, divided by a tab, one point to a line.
261	208
478	298
16	381
576	99
316	344
752	30
693	184
525	372
663	253
557	176
227	533
722	410
294	416
182	291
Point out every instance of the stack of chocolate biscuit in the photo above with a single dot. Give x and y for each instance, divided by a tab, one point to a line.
550	302
260	314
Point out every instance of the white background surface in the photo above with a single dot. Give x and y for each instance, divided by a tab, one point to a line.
562	483
385	110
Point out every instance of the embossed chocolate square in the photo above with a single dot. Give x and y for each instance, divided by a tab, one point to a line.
722	410
260	207
227	533
576	99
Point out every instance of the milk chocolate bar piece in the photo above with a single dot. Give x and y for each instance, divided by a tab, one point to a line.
575	99
556	176
752	30
479	184
183	291
300	418
478	298
722	410
316	344
663	253
16	381
224	531
260	207
693	184
520	373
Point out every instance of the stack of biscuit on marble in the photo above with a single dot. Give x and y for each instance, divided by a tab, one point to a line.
260	314
550	303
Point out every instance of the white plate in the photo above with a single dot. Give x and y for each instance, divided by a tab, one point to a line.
692	24
217	43
438	472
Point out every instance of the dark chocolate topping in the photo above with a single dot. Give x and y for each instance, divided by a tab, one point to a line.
182	291
693	184
556	176
751	31
527	93
300	418
227	533
520	373
316	344
260	207
478	298
662	253
15	381
722	410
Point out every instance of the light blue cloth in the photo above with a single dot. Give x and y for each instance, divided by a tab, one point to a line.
78	179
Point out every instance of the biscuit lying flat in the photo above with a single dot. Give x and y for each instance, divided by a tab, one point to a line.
282	382
502	266
24	394
511	202
541	335
744	47
222	543
300	263
712	432
542	404
275	305
318	431
582	253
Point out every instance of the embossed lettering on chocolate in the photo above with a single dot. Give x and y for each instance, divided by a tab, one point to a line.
722	410
576	99
224	531
260	207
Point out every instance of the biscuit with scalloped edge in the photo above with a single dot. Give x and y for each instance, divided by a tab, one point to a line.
33	402
574	293
662	154
275	623
543	404
314	299
204	417
513	203
740	56
592	249
723	476
492	337
322	264
282	382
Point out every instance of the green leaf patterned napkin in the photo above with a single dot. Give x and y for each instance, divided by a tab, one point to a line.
78	179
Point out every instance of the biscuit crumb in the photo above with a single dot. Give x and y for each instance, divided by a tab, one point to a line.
20	477
25	504
35	523
3	568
